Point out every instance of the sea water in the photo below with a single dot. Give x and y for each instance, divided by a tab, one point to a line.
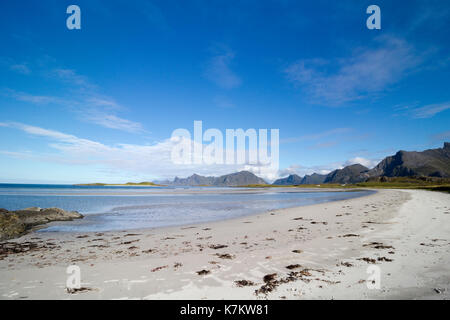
109	208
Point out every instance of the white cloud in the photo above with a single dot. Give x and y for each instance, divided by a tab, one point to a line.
218	70
369	163
145	160
367	71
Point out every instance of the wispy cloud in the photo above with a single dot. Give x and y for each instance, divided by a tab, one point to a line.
441	136
113	122
11	64
219	71
20	68
316	136
26	97
87	103
367	71
429	111
72	78
323	145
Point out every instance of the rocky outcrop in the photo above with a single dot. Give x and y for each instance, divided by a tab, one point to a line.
16	223
291	180
350	174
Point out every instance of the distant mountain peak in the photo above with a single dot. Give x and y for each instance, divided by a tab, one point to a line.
240	178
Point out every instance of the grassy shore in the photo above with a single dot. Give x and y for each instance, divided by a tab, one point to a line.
432	184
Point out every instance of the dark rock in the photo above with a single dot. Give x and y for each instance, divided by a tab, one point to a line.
16	223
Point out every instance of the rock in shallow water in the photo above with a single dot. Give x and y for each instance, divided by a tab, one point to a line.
16	223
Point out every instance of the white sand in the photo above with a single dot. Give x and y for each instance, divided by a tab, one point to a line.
116	265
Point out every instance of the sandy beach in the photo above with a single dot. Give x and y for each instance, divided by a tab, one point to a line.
319	251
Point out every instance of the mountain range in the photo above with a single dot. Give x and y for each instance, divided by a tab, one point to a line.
428	163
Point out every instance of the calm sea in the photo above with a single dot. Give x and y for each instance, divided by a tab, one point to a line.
123	208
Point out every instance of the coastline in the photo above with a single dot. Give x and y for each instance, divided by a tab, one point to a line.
327	238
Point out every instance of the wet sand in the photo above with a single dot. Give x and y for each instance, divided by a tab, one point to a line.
320	251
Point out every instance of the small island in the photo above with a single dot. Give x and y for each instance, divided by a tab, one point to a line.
143	184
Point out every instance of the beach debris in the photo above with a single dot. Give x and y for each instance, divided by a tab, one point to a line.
177	265
130	242
148	251
271	282
384	259
218	246
293	266
203	272
225	256
297	251
346	264
79	290
269	277
378	245
348	235
244	283
132	234
368	260
319	222
159	268
82	236
14	247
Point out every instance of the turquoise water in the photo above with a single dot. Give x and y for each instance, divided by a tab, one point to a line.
125	208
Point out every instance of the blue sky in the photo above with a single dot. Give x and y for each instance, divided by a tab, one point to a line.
100	103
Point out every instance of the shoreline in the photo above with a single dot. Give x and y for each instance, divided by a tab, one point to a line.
87	215
328	239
